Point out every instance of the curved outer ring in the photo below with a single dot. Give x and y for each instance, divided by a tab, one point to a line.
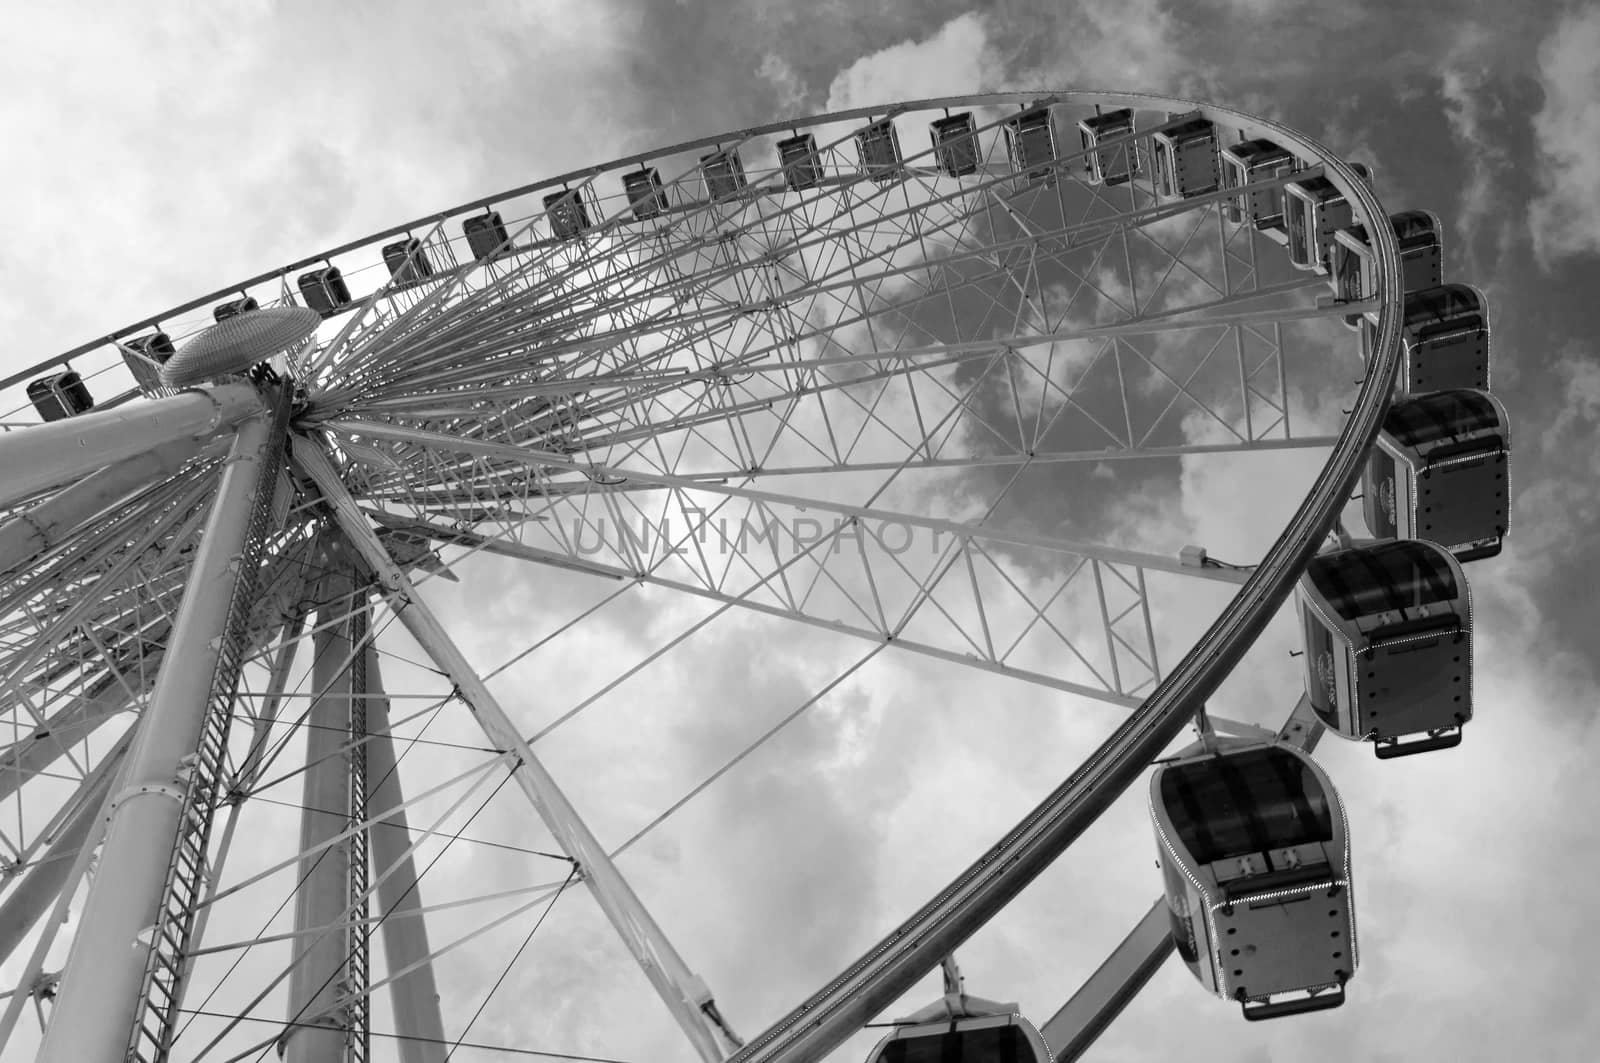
873	982
869	985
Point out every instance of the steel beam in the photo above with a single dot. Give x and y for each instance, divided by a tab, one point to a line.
316	1030
415	995
43	455
27	535
99	994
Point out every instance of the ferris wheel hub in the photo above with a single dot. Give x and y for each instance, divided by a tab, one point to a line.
239	342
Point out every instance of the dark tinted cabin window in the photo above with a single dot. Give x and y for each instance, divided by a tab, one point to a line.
1436	306
1413	227
997	1044
1378	488
1245	803
1296	211
1178	914
1439	415
1321	680
1387	576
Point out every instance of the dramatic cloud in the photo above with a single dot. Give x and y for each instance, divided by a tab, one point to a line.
1565	218
155	157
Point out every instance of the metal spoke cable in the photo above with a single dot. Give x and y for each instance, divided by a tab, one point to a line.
424	833
515	957
336	972
434	711
475	1045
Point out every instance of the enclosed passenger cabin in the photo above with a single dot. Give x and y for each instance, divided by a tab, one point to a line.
955	144
60	395
407	261
879	148
1388	652
565	212
324	290
1440	472
1114	165
1353	274
801	165
1031	145
1246	163
647	198
980	1039
486	235
1446	339
233	308
1255	859
1313	211
723	173
1185	159
140	352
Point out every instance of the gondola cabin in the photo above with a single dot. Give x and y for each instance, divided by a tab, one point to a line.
1313	211
1255	859
1387	629
145	355
982	1039
486	235
324	290
1245	164
1031	146
1440	472
1116	164
801	165
407	261
955	144
723	172
566	213
878	146
646	196
233	308
1353	273
1185	159
60	395
1446	340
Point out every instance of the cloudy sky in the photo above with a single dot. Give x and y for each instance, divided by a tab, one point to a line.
154	153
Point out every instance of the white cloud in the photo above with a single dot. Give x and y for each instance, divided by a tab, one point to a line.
1565	217
954	61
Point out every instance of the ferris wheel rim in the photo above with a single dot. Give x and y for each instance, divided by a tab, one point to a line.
1358	435
836	1011
1245	121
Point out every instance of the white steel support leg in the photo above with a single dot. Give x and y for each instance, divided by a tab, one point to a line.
47	454
95	1010
30	534
316	1025
415	996
685	994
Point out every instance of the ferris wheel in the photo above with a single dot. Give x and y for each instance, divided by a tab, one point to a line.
885	374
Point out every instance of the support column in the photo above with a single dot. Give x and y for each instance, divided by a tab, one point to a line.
94	1013
317	980
415	996
43	455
